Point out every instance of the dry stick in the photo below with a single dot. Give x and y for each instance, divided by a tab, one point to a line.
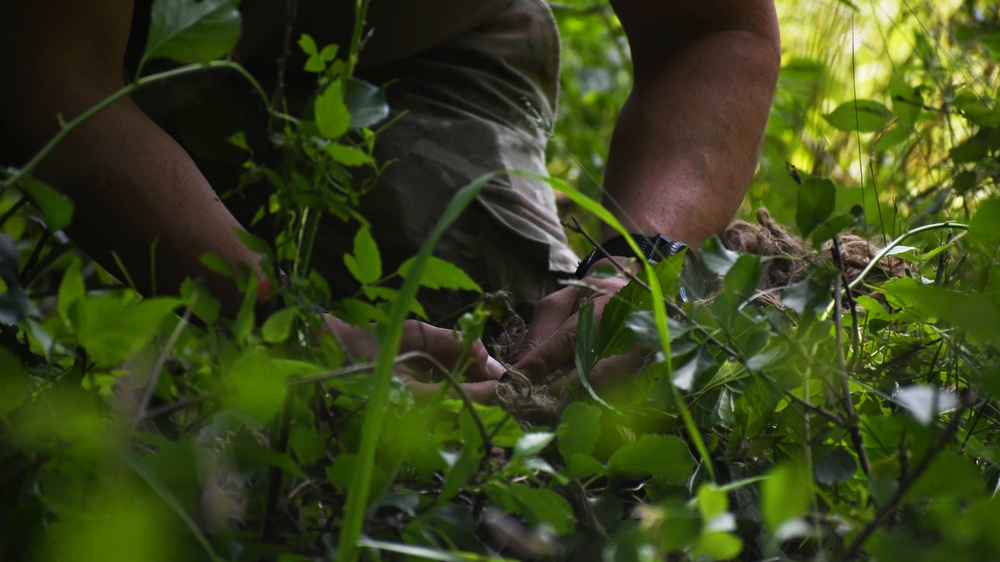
275	473
154	375
278	95
832	416
845	382
905	483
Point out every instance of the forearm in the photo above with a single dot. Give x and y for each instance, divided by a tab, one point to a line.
139	195
686	143
132	185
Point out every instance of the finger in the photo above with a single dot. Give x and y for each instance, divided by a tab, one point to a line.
443	346
556	351
549	315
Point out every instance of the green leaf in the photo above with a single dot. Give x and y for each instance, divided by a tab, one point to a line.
658	456
348	155
111	332
258	387
332	117
806	297
977	313
441	274
366	263
192	31
718	545
866	116
205	308
985	225
308	445
71	288
712	501
971	150
308	45
317	59
57	209
836	467
366	103
257	456
817	198
278	326
975	109
460	472
214	262
531	444
786	494
616	337
586	348
716	257
346	465
925	402
740	284
15	384
580	429
543	506
836	224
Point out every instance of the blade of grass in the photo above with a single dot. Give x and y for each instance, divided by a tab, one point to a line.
389	342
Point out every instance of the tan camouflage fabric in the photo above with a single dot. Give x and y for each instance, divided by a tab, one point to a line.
469	106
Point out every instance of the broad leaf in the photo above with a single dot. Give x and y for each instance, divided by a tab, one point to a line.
985	225
332	117
924	402
441	274
543	506
716	257
817	198
366	103
366	263
866	116
786	494
580	429
348	155
836	467
56	207
278	326
112	332
664	457
192	31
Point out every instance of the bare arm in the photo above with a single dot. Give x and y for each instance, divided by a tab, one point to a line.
131	183
685	145
686	142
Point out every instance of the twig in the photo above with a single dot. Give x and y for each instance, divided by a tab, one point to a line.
277	97
154	376
845	382
905	483
832	416
275	473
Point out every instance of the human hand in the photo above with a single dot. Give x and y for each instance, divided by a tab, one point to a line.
550	344
440	346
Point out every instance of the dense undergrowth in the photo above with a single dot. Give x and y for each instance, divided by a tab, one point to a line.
835	420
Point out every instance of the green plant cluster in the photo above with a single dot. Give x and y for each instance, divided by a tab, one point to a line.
846	420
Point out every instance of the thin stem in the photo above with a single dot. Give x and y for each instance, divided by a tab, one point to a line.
899	240
18	175
905	483
845	381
